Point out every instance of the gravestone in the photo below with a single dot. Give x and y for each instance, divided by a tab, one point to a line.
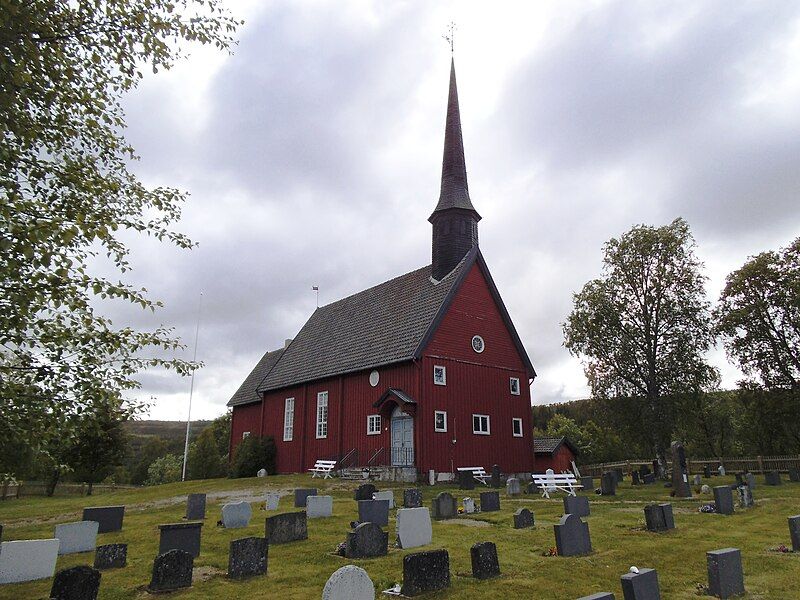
659	517
490	501
364	491
572	536
286	527
725	576
412	498
608	483
248	557
723	499
27	560
180	536
77	537
469	505
794	474
349	583
273	499
697	480
750	479
496	478
772	478
413	527
76	583
301	495
649	478
374	511
523	518
386	495
599	596
707	471
794	532
196	507
587	483
577	505
513	487
721	471
484	560
620	475
656	468
641	586
261	473
635	478
643	470
319	506
111	556
680	474
466	481
368	540
745	496
444	506
109	517
172	571
236	515
425	572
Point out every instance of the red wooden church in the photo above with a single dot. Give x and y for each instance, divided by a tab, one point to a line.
425	371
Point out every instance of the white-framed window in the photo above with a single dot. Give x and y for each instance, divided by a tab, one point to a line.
245	434
288	420
516	427
513	383
439	375
373	424
322	415
439	420
480	424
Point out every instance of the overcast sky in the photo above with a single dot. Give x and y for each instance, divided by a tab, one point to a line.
313	156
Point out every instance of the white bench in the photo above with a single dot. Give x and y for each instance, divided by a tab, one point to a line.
323	468
477	472
551	482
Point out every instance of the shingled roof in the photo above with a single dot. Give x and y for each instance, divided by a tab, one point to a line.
247	391
550	445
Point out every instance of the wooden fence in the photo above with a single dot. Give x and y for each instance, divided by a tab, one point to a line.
39	488
754	464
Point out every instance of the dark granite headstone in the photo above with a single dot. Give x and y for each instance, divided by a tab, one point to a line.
412	498
680	473
444	507
523	518
490	501
111	556
641	586
248	557
772	478
649	478
109	517
643	470
367	540
180	536
599	596
484	560
287	527
466	481
572	536
425	572
723	499
531	488
794	474
659	517
725	576
707	471
635	478
496	478
365	491
76	583
374	511
620	475
301	494
608	483
196	507
794	532
577	505
588	484
172	571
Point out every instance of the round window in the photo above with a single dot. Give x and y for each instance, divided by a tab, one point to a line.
477	344
374	378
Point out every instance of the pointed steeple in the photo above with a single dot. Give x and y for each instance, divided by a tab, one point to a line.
454	220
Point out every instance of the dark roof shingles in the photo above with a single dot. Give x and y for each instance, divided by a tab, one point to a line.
247	391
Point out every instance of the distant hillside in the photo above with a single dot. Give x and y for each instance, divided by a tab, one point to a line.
166	430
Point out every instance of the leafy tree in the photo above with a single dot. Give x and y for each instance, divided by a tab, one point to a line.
759	317
221	428
67	196
165	469
153	449
204	459
644	326
253	454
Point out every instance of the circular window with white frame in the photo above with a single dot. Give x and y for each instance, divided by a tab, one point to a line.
374	378
477	344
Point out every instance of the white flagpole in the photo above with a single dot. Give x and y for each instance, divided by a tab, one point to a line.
191	390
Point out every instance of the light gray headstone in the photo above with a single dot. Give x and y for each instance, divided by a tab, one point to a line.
77	537
512	487
349	583
385	495
319	506
236	514
28	560
273	499
261	473
414	527
469	505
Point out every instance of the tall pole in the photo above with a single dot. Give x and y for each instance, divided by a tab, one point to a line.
191	390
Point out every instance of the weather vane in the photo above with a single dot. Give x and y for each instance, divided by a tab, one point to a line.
450	35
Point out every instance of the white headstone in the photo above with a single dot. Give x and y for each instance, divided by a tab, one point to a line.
27	560
349	583
319	506
77	537
387	495
236	514
273	498
721	471
261	473
550	480
469	505
413	527
431	477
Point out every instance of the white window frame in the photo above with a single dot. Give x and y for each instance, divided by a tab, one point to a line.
436	428
514	421
322	415
511	381
373	424
288	420
480	431
444	375
245	434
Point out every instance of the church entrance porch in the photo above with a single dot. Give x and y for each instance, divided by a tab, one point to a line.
402	431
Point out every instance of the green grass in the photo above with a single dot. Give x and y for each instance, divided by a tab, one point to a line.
299	570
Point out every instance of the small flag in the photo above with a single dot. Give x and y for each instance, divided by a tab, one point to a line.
315	288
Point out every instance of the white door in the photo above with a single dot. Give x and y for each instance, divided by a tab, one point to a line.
402	439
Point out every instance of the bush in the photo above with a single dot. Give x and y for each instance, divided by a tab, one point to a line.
166	469
252	455
204	459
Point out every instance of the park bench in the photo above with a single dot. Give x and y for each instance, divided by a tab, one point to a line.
551	482
477	472
323	468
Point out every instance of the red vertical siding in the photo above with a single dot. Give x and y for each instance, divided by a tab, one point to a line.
561	461
245	418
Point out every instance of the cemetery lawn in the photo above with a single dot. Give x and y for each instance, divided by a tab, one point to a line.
300	569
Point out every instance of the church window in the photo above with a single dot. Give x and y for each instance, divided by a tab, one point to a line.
514	382
439	420
288	420
322	415
439	375
245	434
516	427
477	344
480	424
373	424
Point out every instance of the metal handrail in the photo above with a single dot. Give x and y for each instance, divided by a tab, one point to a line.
375	455
343	461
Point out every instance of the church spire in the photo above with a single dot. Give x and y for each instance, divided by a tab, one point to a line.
454	220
